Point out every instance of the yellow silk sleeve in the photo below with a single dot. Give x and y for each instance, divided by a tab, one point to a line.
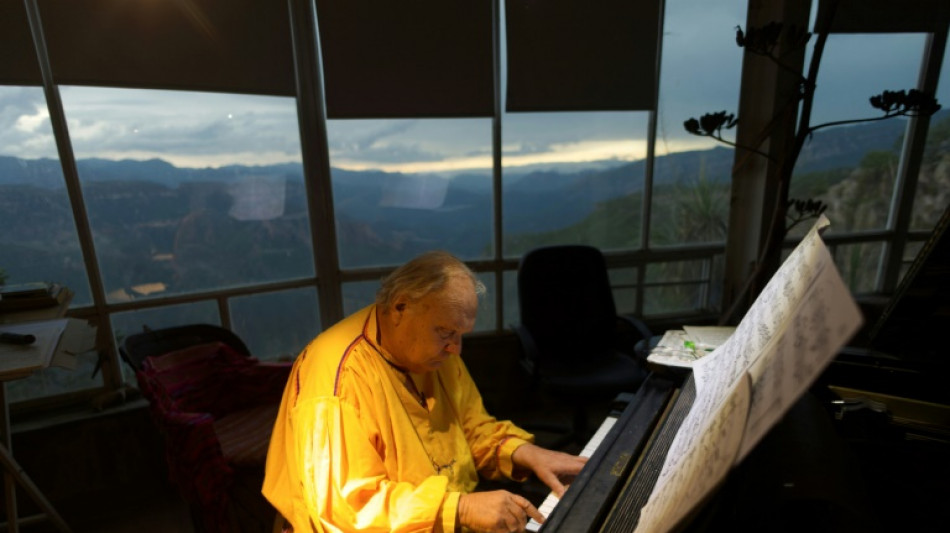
345	483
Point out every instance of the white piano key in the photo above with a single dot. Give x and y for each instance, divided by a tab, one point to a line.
549	503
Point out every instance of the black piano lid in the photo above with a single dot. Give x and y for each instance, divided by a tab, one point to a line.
914	324
590	496
904	351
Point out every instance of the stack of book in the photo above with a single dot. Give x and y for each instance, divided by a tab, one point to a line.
34	295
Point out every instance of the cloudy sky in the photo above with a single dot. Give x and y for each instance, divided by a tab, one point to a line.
699	74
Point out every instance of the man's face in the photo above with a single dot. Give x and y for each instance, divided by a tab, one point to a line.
426	332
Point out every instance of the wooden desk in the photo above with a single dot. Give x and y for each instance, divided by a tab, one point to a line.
14	477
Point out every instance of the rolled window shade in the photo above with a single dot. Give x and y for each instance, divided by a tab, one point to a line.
241	46
565	55
409	58
886	16
18	64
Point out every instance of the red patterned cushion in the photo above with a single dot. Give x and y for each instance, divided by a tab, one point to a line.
244	435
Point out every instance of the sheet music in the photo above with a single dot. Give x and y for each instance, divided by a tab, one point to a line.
698	460
795	327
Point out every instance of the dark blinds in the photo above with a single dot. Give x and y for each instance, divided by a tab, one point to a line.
565	55
418	58
18	65
241	46
885	16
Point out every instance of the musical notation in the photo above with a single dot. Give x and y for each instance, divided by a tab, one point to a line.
791	332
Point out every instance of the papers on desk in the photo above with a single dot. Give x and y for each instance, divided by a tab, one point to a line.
17	359
57	343
683	347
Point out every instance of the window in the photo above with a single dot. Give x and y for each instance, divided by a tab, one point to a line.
197	202
572	178
857	183
189	192
39	236
404	186
700	74
933	184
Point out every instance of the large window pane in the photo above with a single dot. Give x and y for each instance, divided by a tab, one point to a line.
190	191
403	187
700	74
572	178
38	235
276	326
857	183
933	184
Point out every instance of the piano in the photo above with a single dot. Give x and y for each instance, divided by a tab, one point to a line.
846	457
625	456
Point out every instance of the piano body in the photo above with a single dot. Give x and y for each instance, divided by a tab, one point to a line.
867	448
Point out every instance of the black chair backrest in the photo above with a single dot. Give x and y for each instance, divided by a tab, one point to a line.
139	346
566	301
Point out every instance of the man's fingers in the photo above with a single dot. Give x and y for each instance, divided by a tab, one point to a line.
533	512
553	483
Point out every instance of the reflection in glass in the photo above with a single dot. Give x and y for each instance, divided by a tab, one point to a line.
485	320
572	178
858	264
189	191
623	281
403	187
671	299
276	326
679	286
38	237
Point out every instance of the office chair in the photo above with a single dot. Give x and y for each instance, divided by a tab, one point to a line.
570	331
215	405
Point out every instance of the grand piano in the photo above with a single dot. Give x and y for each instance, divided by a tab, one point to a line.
865	448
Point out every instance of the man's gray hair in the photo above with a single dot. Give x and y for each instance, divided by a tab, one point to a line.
425	274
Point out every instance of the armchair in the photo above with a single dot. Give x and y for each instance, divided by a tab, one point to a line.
215	405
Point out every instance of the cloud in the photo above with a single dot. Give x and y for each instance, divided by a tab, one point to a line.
700	73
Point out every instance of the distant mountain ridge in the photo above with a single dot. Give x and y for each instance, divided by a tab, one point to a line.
836	147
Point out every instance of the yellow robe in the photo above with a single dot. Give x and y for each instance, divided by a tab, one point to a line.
354	449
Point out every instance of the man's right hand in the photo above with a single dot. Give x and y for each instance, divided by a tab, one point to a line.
497	511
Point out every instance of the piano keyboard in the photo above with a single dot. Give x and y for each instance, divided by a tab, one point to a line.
551	501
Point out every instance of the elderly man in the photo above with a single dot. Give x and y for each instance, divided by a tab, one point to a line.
382	428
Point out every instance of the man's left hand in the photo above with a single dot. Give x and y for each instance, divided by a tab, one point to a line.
555	469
